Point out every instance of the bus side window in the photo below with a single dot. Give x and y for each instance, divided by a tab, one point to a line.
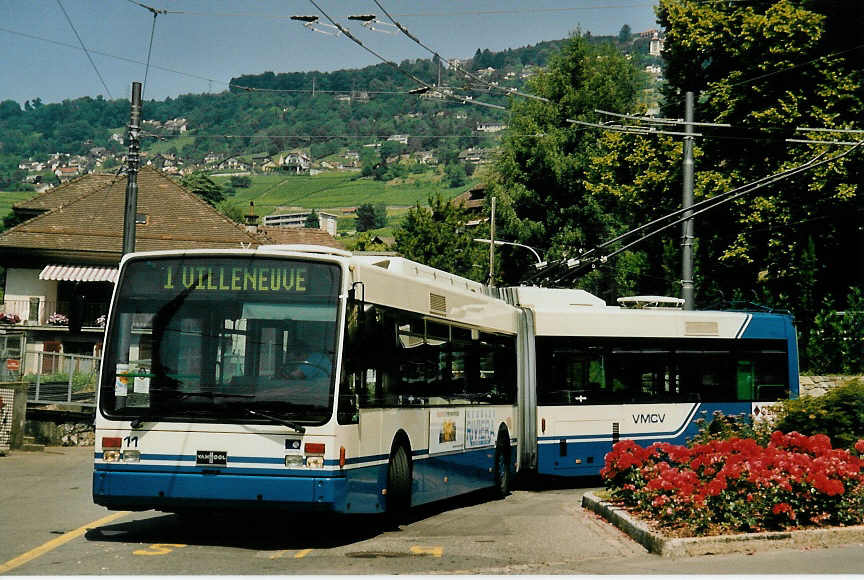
744	380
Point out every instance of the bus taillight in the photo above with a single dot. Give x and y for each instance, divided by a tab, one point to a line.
314	448
111	449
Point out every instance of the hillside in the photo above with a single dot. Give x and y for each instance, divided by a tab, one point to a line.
268	115
336	191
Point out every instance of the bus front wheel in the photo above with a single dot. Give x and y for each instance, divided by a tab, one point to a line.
398	482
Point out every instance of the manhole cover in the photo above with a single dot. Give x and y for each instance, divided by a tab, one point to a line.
377	555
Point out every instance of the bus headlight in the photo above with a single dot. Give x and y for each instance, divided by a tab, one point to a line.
131	456
316	462
293	461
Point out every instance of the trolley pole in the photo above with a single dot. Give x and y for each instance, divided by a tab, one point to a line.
687	291
132	172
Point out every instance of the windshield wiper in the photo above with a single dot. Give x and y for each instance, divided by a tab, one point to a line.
137	422
291	424
209	394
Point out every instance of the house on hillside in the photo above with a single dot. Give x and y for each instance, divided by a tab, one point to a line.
297	219
307	236
490	127
655	48
64	174
64	258
473	201
295	162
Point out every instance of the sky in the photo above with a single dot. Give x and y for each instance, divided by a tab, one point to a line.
206	42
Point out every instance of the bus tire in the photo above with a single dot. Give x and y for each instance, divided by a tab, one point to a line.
398	482
501	468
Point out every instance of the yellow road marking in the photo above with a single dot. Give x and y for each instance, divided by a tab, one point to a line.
434	551
158	549
300	554
57	542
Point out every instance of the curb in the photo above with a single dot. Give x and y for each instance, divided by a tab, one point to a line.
727	544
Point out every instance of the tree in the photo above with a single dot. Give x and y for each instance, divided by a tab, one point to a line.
232	211
455	174
202	186
365	218
242	181
380	215
437	236
312	221
543	199
767	69
367	242
625	34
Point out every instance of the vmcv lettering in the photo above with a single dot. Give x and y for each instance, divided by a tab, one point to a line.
649	418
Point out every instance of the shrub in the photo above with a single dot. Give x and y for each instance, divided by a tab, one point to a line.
722	427
839	414
739	485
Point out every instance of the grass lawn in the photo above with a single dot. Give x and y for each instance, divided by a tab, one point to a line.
336	190
154	146
10	198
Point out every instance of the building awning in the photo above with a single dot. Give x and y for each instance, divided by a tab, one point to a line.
68	273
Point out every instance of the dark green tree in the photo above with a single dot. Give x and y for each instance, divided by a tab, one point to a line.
625	34
543	198
202	186
365	219
241	181
380	215
312	221
437	236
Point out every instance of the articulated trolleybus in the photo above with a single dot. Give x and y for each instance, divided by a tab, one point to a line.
646	371
302	378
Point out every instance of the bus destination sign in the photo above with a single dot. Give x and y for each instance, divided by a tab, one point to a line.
256	278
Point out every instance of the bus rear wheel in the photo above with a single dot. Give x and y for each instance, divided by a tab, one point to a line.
501	469
398	482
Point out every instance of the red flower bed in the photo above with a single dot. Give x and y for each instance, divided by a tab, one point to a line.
737	485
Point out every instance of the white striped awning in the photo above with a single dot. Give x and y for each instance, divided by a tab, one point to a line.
68	273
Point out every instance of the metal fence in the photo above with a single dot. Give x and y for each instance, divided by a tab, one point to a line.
61	378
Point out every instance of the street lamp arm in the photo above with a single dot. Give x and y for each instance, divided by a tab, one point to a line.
503	243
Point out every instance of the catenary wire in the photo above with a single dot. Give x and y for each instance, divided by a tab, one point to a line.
87	52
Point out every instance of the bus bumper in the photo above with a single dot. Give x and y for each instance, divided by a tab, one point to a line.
128	490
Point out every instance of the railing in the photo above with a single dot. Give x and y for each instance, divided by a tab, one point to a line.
36	311
61	378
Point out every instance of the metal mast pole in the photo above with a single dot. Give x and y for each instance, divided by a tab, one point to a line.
132	172
492	245
687	291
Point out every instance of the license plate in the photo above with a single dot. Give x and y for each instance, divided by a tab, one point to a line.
211	458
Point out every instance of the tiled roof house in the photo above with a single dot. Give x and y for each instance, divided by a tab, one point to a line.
67	252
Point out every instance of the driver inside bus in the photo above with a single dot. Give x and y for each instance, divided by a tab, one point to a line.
302	362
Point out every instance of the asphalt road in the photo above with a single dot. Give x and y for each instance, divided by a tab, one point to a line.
49	526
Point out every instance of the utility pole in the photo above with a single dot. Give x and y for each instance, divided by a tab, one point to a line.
492	245
687	292
132	172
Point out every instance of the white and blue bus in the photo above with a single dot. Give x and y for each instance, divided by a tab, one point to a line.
305	378
296	377
646	371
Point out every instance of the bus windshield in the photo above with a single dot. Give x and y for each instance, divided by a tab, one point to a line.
204	338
